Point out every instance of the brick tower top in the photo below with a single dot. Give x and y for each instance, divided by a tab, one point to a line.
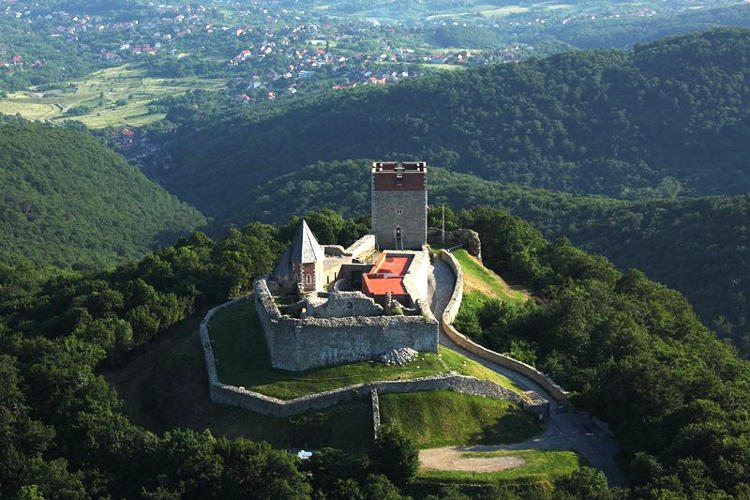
399	176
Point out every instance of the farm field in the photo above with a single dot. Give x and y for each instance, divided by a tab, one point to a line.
118	96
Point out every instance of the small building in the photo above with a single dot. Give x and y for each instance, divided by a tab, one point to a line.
313	265
302	262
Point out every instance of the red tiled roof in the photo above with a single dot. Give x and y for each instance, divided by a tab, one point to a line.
387	275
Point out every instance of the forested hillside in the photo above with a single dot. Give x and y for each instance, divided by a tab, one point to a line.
67	199
632	350
669	117
709	236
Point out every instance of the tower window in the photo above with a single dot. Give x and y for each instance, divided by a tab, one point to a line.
399	211
308	279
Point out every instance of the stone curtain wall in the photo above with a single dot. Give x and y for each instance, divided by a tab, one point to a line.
362	247
417	277
375	405
449	315
299	344
454	304
273	407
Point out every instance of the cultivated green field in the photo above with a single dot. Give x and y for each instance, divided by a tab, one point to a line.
239	347
443	418
117	96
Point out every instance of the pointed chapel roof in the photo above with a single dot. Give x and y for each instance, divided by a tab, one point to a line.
305	248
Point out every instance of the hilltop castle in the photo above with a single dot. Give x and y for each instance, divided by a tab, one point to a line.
325	304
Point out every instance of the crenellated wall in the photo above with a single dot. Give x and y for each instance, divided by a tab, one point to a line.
300	344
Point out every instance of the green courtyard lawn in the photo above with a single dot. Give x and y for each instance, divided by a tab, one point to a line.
443	418
242	360
538	465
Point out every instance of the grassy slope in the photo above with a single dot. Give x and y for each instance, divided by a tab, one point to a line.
484	282
481	284
100	91
164	386
444	418
243	361
66	198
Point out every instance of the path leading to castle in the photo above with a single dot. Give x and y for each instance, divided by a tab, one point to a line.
565	431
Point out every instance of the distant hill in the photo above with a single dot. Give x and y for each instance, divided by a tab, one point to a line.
700	246
672	116
67	199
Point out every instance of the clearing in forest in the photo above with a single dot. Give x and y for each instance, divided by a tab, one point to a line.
492	463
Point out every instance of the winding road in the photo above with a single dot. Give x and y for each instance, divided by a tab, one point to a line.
564	431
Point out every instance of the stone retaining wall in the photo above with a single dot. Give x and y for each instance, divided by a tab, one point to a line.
375	412
274	407
454	304
300	344
449	316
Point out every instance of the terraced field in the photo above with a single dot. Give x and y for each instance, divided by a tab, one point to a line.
117	96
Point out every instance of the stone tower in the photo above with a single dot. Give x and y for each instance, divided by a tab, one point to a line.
399	204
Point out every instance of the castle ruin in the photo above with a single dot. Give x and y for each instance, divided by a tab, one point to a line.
327	305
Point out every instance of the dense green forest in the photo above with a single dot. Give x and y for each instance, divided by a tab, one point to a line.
632	350
671	116
67	200
709	236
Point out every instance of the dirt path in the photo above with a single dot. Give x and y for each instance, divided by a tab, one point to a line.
452	458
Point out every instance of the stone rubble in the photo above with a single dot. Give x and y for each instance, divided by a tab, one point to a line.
398	356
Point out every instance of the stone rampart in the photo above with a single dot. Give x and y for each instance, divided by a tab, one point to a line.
300	344
375	405
454	304
451	310
274	407
362	247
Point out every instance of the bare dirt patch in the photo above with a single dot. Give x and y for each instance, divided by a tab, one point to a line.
453	458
